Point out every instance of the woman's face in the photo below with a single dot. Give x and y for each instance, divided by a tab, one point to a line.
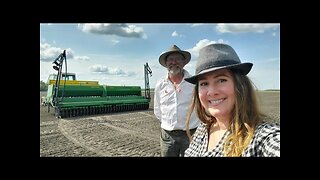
216	93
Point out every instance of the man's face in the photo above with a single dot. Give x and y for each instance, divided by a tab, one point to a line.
175	63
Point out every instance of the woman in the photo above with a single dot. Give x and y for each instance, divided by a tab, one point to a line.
226	104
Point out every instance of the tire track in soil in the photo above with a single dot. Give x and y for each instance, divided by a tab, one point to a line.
115	134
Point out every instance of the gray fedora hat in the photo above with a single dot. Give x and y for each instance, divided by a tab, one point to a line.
218	56
173	49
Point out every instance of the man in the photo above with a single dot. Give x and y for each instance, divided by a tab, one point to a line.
172	97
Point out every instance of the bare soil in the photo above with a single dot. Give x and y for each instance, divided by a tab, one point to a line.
133	134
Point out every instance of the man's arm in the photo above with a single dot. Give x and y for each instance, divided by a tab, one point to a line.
156	102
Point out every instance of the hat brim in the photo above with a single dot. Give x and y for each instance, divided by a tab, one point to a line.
242	68
162	58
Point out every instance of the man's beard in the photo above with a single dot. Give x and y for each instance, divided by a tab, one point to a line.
174	70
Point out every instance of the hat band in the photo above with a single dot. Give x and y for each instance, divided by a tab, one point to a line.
174	52
208	64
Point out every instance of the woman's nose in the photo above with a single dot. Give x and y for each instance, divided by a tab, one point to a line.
212	90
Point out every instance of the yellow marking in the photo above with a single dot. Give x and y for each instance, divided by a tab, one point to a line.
76	82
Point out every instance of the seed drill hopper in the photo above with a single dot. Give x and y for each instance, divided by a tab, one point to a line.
71	98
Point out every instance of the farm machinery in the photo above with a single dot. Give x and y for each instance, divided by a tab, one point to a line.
70	97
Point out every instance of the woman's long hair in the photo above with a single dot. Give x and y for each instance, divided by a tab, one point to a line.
246	115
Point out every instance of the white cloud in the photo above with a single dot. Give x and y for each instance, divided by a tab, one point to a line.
202	43
49	53
244	28
198	24
174	34
101	69
122	30
115	41
81	58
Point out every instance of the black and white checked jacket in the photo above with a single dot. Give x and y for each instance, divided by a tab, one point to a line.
265	143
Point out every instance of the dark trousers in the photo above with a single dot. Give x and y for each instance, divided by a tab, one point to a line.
174	143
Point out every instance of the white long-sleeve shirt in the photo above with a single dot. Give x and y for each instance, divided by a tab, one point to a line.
171	105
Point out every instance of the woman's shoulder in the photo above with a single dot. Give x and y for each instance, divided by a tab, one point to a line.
266	140
268	126
201	129
266	129
202	126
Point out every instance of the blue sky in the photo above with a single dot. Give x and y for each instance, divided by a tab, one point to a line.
115	54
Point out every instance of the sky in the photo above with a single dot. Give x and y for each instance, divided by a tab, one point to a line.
115	54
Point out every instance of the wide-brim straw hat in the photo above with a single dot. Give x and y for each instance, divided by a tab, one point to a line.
173	49
218	56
